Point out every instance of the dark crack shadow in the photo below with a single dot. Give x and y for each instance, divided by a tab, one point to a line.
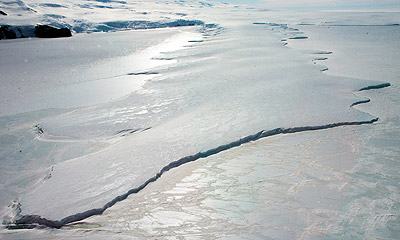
35	221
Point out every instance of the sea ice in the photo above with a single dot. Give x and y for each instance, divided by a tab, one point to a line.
238	86
235	80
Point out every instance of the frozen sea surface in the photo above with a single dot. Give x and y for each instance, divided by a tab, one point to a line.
232	83
59	75
339	183
80	71
264	86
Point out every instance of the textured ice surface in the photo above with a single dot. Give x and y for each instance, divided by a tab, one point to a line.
338	184
219	90
263	85
352	51
304	186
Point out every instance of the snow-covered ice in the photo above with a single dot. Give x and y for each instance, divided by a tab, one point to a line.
198	88
81	71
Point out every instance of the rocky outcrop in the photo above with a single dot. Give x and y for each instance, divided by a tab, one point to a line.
7	33
44	31
41	31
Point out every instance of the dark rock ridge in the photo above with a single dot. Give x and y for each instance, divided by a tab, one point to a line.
7	33
41	31
3	13
44	31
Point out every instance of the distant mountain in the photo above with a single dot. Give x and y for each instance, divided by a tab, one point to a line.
20	19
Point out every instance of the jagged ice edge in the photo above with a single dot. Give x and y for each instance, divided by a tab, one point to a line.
34	221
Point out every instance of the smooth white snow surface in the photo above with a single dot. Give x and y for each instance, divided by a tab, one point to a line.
234	80
81	71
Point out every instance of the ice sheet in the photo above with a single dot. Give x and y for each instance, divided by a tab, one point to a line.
69	73
225	87
339	183
264	85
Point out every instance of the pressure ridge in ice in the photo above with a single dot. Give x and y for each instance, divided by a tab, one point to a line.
221	90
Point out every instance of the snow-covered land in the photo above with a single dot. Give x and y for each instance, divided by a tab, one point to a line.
289	118
21	17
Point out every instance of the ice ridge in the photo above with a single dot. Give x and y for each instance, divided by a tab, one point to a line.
383	85
360	102
32	221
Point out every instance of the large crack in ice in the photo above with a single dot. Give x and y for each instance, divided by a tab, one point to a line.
35	221
383	85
